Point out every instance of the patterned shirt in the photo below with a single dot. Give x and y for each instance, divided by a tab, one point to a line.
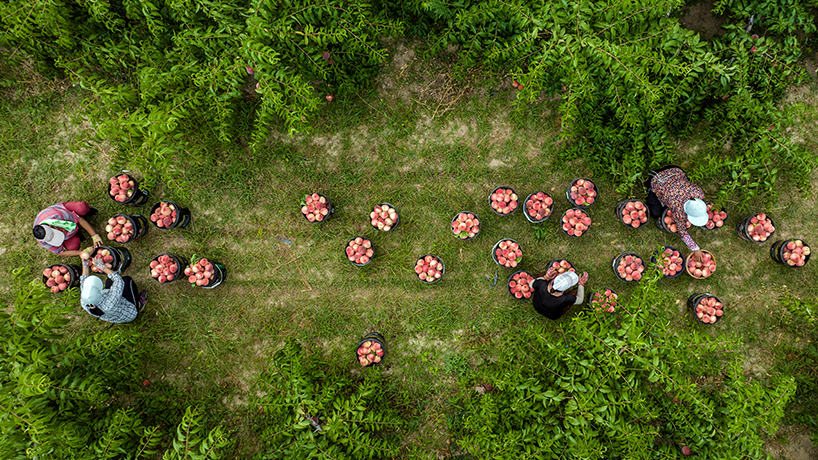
58	212
116	308
674	189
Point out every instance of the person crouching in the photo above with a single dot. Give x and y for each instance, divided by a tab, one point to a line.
554	298
117	301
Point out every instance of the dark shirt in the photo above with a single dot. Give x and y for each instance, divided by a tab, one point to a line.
549	305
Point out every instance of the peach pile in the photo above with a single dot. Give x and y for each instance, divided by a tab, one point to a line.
760	227
57	278
315	208
107	259
518	285
582	192
383	217
604	301
507	253
359	250
465	225
164	215
370	352
795	253
200	273
715	219
561	266
703	269
630	267
670	223
671	262
575	222
709	310
121	187
634	213
538	206
164	268
503	200
119	229
429	268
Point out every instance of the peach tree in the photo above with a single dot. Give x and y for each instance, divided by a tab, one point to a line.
307	407
633	81
159	68
60	397
627	385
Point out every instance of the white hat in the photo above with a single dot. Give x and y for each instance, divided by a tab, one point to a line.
52	236
91	290
565	281
696	212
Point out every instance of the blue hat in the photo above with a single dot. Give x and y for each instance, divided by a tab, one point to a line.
696	212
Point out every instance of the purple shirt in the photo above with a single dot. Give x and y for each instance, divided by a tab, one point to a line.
674	189
59	212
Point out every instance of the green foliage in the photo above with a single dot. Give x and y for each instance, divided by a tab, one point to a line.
621	386
152	65
58	397
778	17
191	443
356	417
633	80
56	394
802	363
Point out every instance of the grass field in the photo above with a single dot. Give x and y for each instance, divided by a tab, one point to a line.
432	150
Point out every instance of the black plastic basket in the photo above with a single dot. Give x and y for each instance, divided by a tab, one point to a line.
182	216
469	237
179	261
741	229
442	270
571	200
654	257
139	196
512	191
693	302
371	247
74	272
374	337
330	210
122	257
397	218
615	263
496	246
528	216
618	212
777	252
510	278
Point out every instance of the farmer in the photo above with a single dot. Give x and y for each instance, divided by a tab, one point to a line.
57	227
117	301
669	187
552	299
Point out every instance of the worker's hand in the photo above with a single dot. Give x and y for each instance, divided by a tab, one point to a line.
697	255
86	263
551	273
97	240
583	278
86	255
99	263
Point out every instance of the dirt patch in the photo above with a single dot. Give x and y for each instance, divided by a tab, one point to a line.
701	19
792	443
